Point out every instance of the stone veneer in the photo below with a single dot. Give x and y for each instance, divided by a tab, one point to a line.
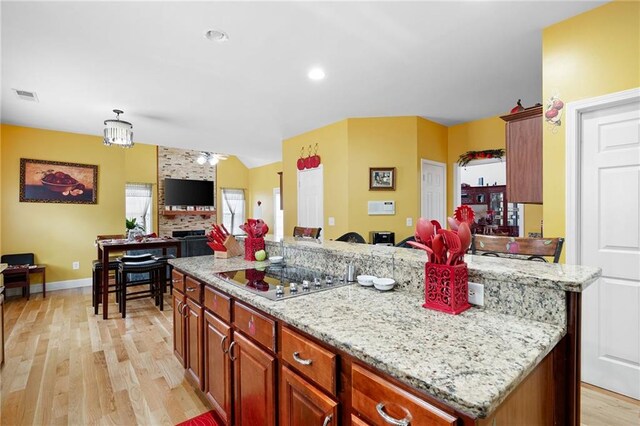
178	163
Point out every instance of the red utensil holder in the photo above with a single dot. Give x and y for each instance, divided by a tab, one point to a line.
446	288
251	246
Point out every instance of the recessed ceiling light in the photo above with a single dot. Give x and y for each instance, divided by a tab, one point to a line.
316	74
216	35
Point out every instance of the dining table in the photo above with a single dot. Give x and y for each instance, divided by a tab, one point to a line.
119	245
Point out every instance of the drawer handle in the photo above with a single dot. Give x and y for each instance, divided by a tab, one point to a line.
296	357
191	288
392	421
230	350
327	420
224	339
185	311
181	307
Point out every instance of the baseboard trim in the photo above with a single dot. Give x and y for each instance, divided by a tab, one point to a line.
53	286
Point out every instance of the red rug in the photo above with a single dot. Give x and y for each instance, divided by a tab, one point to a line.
205	419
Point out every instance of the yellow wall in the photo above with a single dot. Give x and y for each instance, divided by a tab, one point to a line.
332	148
487	133
60	234
231	173
133	158
262	181
592	54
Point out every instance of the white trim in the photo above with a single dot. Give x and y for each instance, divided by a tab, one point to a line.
444	192
572	162
53	286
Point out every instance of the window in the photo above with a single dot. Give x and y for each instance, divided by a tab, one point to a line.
138	204
233	210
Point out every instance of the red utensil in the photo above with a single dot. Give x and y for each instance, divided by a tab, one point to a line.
452	241
424	230
430	254
453	224
464	233
224	229
464	213
438	248
436	225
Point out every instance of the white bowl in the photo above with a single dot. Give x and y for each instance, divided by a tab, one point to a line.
384	284
276	259
365	280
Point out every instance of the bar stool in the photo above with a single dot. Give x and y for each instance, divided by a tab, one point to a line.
96	282
140	264
168	270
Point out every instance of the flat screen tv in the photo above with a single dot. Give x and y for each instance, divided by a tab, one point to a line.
186	192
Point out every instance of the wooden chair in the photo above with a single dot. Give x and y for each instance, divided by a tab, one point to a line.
533	248
302	232
18	275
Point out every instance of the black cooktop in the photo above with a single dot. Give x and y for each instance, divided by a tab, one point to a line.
282	282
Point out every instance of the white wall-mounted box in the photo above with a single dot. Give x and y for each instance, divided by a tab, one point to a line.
381	207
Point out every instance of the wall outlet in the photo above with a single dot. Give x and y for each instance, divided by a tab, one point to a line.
476	294
332	221
409	221
76	265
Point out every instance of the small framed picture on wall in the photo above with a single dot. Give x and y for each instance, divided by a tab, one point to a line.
382	179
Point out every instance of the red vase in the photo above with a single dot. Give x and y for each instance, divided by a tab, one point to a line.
446	287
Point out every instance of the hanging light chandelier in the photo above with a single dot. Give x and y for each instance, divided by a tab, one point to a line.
209	157
118	132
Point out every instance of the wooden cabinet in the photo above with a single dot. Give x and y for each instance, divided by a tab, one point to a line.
301	403
194	341
524	156
254	382
179	342
381	402
217	369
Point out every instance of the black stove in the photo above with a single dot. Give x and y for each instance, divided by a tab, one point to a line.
282	282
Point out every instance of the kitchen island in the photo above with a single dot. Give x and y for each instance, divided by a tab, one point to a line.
471	368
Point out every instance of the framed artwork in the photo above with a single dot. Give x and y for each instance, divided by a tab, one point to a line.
44	181
382	179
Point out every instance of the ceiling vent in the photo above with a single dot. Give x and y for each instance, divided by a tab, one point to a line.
26	95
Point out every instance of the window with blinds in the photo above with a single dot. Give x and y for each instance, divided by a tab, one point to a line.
139	197
233	207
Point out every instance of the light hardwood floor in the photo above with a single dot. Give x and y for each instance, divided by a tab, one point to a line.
66	366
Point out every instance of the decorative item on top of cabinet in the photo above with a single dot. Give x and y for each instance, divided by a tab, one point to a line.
524	156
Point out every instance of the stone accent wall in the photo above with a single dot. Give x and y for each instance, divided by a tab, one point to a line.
178	163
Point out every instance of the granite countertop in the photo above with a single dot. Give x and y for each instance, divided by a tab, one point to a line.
470	361
574	278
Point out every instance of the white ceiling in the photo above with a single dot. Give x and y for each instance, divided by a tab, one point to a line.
450	62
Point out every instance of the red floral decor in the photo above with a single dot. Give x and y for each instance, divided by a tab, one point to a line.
465	158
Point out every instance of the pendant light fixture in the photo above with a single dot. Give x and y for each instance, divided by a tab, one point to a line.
118	132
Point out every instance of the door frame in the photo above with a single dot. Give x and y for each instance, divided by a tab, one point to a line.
573	151
424	161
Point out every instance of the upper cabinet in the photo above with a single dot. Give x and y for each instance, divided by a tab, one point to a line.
524	156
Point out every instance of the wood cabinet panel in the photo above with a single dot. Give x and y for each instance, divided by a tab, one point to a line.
375	398
312	360
217	367
301	403
255	325
254	383
357	421
179	342
194	341
218	303
177	279
193	289
524	156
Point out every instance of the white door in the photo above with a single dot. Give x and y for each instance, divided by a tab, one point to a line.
609	237
278	215
434	190
310	197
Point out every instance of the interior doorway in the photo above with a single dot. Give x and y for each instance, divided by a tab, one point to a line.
310	198
603	221
433	199
481	184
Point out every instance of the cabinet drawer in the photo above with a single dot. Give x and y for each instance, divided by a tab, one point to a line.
377	398
217	303
193	289
177	278
312	360
255	325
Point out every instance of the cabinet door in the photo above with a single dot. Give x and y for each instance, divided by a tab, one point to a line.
195	339
179	344
254	383
524	160
217	365
301	403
